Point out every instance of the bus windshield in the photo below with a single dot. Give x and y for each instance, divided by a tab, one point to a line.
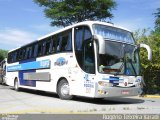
113	34
119	59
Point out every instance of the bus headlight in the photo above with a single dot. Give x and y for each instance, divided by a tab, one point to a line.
102	83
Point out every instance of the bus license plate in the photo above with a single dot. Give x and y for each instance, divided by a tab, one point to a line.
125	92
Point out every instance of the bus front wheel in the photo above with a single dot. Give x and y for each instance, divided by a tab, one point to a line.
63	90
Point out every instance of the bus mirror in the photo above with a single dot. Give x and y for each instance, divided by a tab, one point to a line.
148	50
101	43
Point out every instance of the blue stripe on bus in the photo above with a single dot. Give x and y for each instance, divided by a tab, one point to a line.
112	79
30	65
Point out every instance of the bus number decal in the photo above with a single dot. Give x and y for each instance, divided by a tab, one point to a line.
44	63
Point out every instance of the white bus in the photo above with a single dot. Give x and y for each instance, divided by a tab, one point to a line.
92	59
3	71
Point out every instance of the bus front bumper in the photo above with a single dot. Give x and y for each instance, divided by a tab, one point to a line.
117	92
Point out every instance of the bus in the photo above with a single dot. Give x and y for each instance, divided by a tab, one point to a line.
91	59
3	71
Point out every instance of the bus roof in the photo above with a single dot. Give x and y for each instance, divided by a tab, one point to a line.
89	23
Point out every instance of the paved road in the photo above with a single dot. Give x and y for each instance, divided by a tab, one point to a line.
27	101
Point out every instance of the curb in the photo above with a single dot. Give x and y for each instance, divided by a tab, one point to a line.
152	96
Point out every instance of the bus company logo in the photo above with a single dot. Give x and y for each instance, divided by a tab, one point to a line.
61	61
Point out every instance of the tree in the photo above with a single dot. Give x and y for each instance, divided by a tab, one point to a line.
157	21
151	69
3	54
67	12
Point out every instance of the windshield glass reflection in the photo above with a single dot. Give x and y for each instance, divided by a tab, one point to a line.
119	58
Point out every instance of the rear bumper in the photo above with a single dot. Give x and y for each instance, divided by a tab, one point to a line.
117	92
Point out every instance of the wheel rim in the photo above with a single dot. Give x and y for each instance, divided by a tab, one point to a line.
65	89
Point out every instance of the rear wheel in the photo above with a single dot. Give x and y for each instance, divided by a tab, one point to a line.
63	90
16	85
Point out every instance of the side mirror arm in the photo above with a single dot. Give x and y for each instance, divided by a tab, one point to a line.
148	50
101	43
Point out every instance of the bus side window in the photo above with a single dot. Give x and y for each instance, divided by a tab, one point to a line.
35	50
32	52
53	44
63	43
43	48
47	47
66	41
9	58
28	52
69	42
58	43
13	57
40	49
23	53
20	54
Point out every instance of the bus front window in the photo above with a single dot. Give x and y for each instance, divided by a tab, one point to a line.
119	59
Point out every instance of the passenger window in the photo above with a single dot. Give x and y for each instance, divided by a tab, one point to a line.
40	49
9	58
47	47
35	50
14	56
68	46
20	54
53	44
23	53
58	41
28	53
65	41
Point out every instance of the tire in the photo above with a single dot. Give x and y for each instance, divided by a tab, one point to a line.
16	85
63	90
98	99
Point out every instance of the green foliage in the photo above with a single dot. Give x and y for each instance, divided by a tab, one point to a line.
3	54
157	21
152	79
152	39
150	69
67	12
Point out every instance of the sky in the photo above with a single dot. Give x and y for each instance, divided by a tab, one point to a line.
23	21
